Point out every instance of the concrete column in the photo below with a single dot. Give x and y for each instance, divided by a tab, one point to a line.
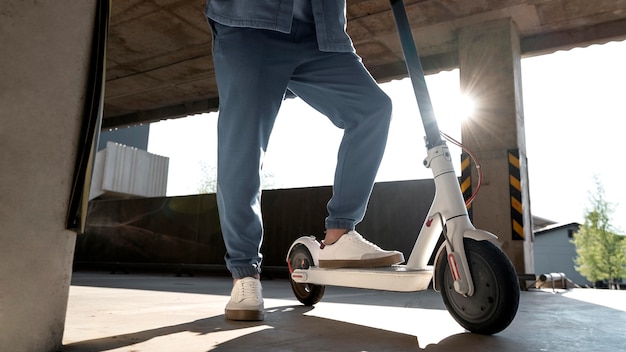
43	68
490	73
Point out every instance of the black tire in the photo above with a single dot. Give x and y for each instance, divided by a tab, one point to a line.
307	294
494	303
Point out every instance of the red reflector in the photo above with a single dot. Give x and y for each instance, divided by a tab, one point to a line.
453	267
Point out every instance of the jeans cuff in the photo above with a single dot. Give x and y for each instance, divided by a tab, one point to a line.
239	272
340	224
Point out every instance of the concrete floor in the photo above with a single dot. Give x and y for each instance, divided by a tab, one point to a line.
148	312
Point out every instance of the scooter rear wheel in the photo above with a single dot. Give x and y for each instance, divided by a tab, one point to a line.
307	294
494	303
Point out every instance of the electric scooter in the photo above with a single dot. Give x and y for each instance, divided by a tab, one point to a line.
477	282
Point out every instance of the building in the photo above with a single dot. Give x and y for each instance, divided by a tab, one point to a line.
555	252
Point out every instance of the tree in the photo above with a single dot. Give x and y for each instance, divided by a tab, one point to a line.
208	183
601	253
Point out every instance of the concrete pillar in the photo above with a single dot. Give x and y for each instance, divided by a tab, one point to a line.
490	73
43	67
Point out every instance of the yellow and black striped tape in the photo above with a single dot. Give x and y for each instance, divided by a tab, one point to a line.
466	180
515	190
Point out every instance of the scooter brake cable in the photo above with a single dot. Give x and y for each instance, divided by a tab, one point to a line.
476	162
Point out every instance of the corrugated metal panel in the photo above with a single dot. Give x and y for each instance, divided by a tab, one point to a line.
128	171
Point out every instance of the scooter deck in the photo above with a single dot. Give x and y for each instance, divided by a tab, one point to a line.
398	278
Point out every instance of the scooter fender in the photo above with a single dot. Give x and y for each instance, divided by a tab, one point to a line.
311	244
475	234
480	235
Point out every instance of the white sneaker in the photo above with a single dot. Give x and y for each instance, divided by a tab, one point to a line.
353	251
246	300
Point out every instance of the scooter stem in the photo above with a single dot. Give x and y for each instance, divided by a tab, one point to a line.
416	74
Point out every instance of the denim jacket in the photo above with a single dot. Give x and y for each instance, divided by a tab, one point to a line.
277	15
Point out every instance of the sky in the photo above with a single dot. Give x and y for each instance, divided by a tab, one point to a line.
574	112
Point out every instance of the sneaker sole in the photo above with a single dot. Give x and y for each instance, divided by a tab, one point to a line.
244	315
364	263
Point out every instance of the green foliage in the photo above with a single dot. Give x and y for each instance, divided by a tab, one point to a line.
208	183
601	253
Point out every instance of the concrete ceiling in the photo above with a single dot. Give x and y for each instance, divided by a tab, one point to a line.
159	62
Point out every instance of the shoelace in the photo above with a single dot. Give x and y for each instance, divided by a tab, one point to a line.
363	243
247	289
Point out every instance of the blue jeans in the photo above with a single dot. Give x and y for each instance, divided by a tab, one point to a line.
253	69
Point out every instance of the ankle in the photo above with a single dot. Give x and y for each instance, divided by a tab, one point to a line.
333	235
257	276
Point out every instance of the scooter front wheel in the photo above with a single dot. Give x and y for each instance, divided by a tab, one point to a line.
494	303
307	294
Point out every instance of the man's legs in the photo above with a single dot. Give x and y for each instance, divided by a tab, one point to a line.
339	86
251	81
253	68
251	87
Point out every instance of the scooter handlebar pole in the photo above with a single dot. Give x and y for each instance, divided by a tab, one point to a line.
416	74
